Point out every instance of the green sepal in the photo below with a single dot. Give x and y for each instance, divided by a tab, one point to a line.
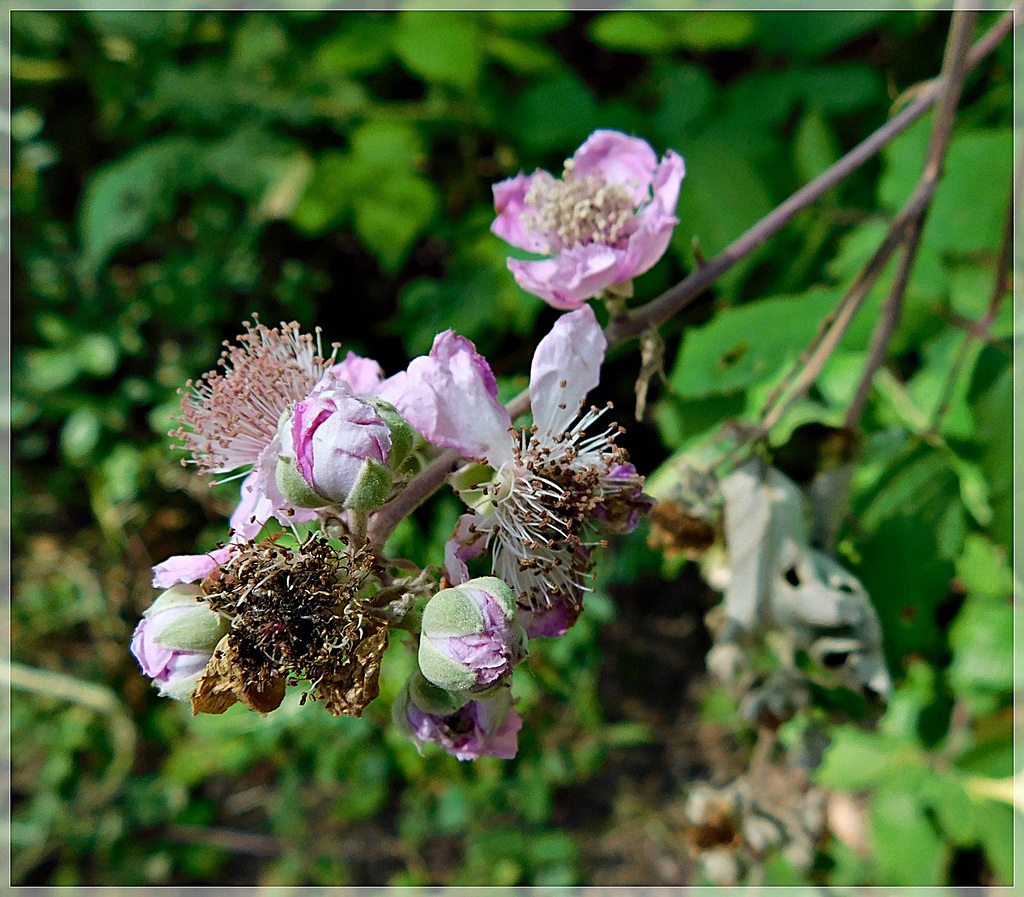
371	488
402	433
180	690
429	698
451	613
199	630
442	671
176	596
295	487
432	699
497	589
473	485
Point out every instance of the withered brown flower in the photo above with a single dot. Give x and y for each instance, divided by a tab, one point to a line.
297	613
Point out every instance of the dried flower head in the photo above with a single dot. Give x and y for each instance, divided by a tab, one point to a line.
302	613
230	416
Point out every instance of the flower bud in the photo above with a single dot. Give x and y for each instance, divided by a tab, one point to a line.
470	638
465	729
175	639
336	448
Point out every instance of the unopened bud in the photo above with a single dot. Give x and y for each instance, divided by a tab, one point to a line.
336	448
465	728
175	639
470	638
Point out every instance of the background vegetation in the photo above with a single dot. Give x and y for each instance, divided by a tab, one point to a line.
175	172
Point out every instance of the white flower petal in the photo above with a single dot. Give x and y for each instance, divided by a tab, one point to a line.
566	366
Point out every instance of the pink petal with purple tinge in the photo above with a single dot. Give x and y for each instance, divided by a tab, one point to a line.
468	541
189	567
510	203
620	159
363	375
566	366
572	277
451	397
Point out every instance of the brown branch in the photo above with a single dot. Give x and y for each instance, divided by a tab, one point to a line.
954	71
383	521
683	293
849	305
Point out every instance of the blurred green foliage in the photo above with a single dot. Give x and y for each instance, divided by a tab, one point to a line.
175	172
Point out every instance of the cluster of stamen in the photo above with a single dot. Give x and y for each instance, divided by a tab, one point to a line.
542	508
230	416
579	209
299	613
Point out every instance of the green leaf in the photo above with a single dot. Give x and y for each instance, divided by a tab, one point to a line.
529	21
814	145
391	218
327	199
908	850
80	435
994	413
983	570
996	827
840	89
386	144
634	32
555	115
124	199
360	44
856	759
521	56
973	490
744	345
812	33
97	354
440	46
968	212
928	385
685	95
681	422
722	196
902	571
954	809
982	641
714	29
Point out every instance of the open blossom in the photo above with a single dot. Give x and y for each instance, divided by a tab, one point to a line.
231	420
538	489
608	218
466	729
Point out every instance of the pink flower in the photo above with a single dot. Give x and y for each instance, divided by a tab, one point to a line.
467	730
331	443
175	638
470	639
608	218
542	486
230	420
